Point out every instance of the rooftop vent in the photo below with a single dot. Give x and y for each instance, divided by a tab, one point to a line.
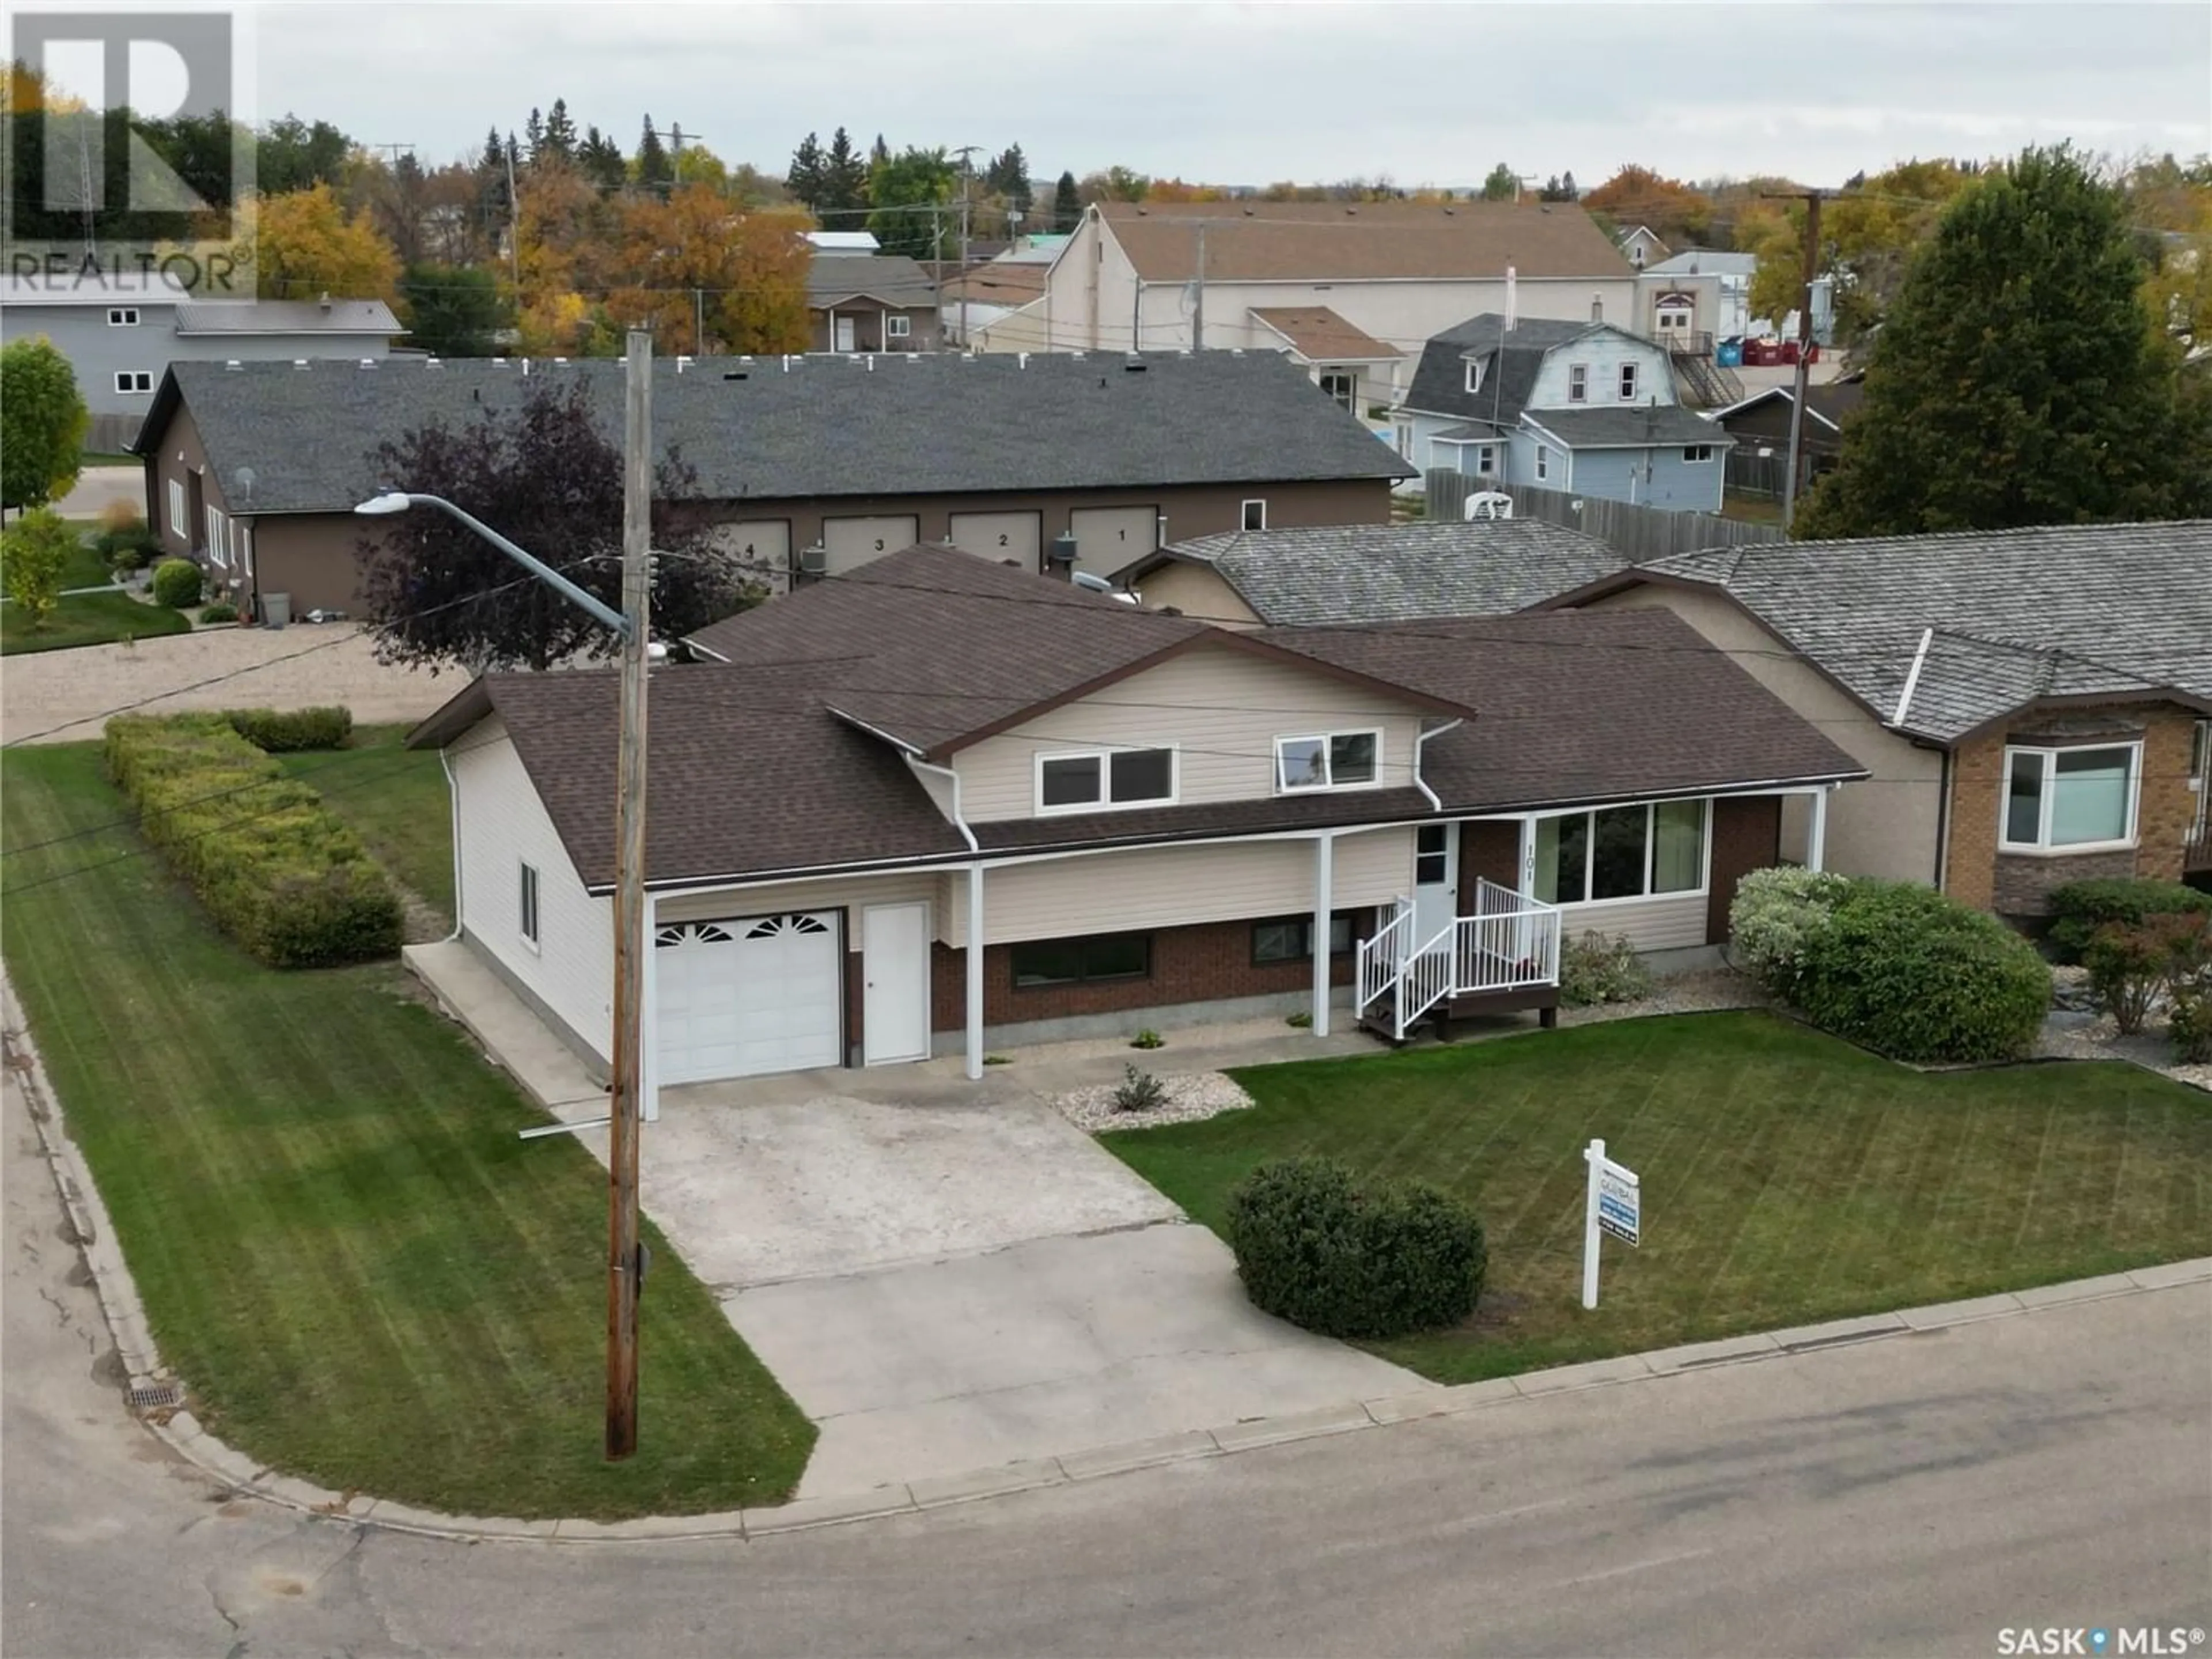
235	363
1135	366
432	362
368	362
735	375
299	362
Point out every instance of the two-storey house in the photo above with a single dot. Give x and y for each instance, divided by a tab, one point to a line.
1584	407
942	806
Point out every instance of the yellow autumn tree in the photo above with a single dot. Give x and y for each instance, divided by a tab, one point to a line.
563	229
303	245
708	275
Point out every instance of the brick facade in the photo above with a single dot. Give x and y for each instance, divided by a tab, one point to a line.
1746	837
2019	883
1207	964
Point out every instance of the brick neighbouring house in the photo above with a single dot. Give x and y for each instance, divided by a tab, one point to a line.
2029	704
1143	819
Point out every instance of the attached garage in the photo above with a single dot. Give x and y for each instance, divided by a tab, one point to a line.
749	994
762	547
1004	537
1108	537
849	543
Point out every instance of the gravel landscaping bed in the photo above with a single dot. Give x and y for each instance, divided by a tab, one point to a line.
1696	990
2076	1031
1190	1095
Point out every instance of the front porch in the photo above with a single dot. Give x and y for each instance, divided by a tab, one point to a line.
1504	958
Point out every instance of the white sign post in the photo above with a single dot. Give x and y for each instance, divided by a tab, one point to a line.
1614	1205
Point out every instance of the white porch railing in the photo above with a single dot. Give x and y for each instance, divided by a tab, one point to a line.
1511	941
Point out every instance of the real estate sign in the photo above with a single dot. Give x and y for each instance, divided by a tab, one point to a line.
1614	1205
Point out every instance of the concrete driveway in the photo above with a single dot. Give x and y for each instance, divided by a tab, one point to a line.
63	696
950	1283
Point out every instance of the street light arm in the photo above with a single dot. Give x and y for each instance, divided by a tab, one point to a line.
606	615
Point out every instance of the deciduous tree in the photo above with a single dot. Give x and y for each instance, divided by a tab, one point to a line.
1501	186
1676	212
451	311
34	555
292	155
43	422
306	245
2017	380
696	262
545	476
912	193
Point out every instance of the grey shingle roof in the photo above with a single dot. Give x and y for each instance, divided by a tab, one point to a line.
263	317
1439	385
2062	611
1391	572
773	428
892	278
1626	426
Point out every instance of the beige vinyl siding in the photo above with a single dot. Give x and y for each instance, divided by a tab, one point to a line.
847	893
1885	826
938	786
1653	924
503	825
1176	887
1224	708
1199	593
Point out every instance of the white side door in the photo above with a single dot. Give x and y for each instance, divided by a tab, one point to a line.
895	960
848	544
845	334
1003	538
1436	880
1108	537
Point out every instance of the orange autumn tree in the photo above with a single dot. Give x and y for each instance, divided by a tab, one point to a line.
1677	213
708	274
304	244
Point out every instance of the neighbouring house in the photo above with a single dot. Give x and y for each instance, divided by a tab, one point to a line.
1348	574
870	302
943	805
1577	407
1760	423
803	465
972	300
1704	292
119	331
2029	704
1640	245
1199	274
845	241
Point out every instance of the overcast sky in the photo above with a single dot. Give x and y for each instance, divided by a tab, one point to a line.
1251	93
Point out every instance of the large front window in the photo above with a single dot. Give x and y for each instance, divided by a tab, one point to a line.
1621	853
2070	798
1081	961
1335	760
1105	777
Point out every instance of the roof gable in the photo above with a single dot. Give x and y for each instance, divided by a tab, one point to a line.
1354	242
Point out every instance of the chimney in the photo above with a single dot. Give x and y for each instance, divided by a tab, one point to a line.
326	300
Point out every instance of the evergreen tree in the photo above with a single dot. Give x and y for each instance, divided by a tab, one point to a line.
560	138
806	178
2016	380
533	134
655	173
1557	189
844	183
879	154
600	160
1066	204
1008	175
494	157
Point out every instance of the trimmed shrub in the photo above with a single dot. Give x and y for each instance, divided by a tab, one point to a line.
2189	1024
2127	971
122	539
1139	1091
1918	976
176	583
1596	968
1776	911
293	886
1353	1257
221	611
2079	909
284	730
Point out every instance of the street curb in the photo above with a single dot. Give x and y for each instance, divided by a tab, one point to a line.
184	1434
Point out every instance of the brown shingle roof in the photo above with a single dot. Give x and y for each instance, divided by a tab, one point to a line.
1626	705
1347	242
1320	336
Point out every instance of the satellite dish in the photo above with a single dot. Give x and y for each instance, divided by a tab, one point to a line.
244	478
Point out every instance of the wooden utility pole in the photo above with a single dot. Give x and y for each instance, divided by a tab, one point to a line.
1197	299
625	1265
1812	199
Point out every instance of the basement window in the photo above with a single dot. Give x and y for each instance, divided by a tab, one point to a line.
1098	958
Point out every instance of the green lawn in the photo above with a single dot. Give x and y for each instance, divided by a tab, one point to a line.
365	1278
1787	1177
1751	509
89	619
395	798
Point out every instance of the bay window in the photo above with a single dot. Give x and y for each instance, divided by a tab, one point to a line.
2071	799
1621	853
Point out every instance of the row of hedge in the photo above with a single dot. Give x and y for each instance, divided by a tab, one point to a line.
1897	967
2081	908
276	872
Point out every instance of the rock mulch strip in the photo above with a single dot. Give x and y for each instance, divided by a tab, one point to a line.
1695	991
2076	1031
1191	1095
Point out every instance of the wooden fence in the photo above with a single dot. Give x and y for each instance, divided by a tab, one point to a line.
1750	473
1637	533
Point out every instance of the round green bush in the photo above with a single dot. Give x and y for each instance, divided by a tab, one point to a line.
1347	1256
1918	976
1773	914
221	611
176	583
2080	907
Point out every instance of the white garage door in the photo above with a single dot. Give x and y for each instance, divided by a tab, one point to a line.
752	995
851	543
1003	538
760	547
1108	537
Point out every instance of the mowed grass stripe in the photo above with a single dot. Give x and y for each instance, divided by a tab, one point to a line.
1789	1178
365	1278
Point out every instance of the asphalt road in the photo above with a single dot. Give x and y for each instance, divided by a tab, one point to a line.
1917	1495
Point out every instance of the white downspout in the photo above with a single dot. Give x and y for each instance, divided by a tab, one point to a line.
453	799
1324	906
1420	745
973	959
